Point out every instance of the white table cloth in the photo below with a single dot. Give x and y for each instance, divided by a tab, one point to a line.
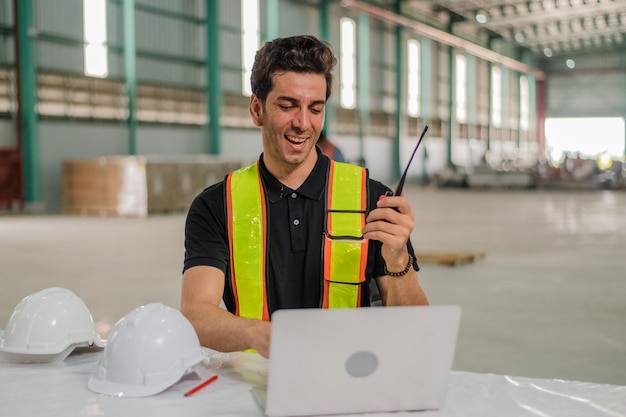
61	390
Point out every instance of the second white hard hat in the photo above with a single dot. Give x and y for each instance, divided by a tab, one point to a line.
47	326
147	351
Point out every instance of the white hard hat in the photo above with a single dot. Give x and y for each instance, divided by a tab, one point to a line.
148	351
47	326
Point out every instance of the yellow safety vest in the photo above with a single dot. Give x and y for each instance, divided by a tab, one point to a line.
344	249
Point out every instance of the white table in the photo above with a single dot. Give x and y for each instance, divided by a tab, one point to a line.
61	390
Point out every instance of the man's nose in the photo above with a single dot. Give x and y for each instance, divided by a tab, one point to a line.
302	120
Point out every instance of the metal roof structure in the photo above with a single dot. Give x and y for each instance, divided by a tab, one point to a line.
544	27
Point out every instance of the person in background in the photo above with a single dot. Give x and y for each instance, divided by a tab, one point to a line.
329	149
273	236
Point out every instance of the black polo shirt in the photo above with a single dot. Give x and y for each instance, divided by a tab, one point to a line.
295	238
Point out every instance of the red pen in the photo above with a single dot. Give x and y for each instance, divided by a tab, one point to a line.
199	387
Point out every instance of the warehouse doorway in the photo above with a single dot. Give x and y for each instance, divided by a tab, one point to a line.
598	138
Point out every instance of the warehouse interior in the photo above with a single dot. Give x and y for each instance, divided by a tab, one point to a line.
522	167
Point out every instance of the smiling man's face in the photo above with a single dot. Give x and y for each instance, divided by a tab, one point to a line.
291	120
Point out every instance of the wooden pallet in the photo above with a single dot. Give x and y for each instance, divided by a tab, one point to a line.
448	258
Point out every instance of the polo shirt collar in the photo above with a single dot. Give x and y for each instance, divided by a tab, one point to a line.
313	186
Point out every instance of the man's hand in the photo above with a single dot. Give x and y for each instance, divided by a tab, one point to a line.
202	291
391	223
258	334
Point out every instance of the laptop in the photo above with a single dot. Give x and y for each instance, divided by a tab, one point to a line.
339	361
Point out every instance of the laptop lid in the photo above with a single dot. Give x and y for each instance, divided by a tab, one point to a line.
340	361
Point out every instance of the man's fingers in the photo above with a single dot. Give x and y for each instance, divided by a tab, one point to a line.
395	202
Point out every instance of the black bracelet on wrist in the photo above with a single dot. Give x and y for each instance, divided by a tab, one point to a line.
401	273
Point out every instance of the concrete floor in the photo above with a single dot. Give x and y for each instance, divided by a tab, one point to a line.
548	300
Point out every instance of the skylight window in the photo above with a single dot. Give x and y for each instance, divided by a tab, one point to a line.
250	39
461	88
413	74
348	63
496	96
95	38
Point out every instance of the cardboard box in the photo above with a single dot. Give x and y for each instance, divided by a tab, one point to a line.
137	186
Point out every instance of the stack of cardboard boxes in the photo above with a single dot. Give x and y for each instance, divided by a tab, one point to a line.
137	186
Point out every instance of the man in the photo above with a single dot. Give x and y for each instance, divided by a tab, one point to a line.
330	149
274	235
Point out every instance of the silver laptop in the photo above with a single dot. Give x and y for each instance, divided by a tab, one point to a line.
359	360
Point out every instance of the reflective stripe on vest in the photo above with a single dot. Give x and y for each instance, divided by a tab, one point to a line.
245	203
344	250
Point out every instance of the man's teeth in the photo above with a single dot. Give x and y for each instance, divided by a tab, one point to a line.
296	140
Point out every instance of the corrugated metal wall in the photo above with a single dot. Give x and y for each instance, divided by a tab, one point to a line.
596	86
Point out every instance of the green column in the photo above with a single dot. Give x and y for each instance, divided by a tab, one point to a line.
426	87
506	91
324	19
363	80
489	103
214	86
471	89
130	66
519	110
28	100
395	161
451	89
451	80
490	94
271	19
324	12
518	76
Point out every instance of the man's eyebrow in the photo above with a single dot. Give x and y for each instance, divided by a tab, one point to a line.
295	101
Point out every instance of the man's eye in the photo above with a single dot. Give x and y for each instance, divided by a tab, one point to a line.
316	111
286	107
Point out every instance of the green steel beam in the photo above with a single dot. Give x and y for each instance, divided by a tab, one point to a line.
27	69
519	111
490	64
119	49
271	19
160	56
454	18
489	103
451	117
214	85
157	11
532	101
363	80
395	151
471	90
506	92
519	55
130	66
324	12
426	86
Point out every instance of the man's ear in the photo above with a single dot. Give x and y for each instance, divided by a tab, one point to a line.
256	110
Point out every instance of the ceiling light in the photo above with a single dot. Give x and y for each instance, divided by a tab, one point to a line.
570	63
547	52
519	37
481	17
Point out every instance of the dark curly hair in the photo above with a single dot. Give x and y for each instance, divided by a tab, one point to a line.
304	54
